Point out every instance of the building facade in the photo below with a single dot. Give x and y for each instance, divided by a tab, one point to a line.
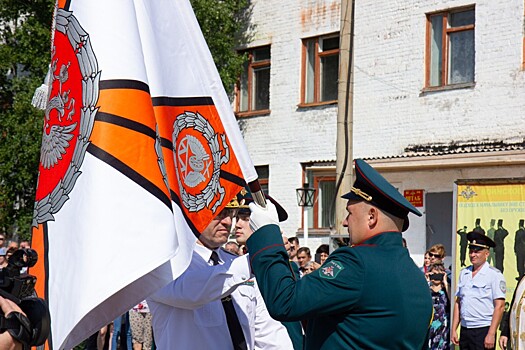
439	96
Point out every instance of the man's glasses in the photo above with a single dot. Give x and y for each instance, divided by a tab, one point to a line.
432	255
227	212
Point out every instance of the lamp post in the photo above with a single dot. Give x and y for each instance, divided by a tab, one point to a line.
305	199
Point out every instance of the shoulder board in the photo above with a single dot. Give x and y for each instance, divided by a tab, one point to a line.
494	269
228	252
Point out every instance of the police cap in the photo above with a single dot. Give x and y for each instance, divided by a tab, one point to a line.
478	241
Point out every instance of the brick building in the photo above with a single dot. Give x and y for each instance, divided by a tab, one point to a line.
439	95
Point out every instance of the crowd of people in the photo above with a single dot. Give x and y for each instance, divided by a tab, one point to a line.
130	331
248	286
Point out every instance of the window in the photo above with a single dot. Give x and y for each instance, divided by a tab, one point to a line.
322	178
450	48
320	70
263	173
253	93
324	196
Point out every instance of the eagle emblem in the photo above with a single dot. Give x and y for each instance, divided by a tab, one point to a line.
69	114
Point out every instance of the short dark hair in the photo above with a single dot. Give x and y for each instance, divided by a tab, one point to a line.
323	248
293	240
305	250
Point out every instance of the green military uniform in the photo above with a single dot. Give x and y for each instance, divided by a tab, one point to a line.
370	296
295	329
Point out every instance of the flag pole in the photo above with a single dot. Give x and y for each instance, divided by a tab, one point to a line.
257	193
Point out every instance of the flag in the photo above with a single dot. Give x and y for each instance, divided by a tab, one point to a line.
140	150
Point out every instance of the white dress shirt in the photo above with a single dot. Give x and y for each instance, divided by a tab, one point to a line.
477	295
188	312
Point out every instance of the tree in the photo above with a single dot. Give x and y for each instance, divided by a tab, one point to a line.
24	59
224	24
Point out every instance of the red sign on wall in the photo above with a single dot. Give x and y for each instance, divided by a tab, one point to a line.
415	197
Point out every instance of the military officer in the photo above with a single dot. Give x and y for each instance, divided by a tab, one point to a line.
367	296
215	304
480	298
243	231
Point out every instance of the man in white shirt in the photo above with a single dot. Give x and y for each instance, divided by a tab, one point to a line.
480	298
191	312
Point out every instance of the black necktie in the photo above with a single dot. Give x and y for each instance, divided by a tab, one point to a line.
234	326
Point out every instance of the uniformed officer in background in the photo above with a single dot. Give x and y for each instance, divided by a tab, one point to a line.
243	231
367	296
480	298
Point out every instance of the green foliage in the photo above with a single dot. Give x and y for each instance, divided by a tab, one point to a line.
224	24
24	57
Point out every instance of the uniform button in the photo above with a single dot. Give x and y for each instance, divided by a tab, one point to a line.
244	278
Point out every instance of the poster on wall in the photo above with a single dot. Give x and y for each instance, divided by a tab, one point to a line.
498	211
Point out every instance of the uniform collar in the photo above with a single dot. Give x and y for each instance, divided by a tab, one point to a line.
383	238
205	253
481	271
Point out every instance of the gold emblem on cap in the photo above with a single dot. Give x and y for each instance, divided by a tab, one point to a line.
361	194
475	243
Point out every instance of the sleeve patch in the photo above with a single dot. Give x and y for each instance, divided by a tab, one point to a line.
330	270
503	286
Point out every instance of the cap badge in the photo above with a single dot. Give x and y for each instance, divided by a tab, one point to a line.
361	194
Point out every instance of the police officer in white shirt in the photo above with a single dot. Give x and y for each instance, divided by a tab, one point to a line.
480	298
215	302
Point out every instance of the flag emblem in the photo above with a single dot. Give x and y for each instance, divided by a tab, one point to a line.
198	158
69	115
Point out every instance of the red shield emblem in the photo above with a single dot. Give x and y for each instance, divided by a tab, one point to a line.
69	115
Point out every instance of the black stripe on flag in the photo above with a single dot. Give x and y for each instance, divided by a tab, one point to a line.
181	101
130	173
125	123
166	143
177	201
232	178
123	84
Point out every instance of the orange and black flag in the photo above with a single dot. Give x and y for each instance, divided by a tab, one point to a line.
140	151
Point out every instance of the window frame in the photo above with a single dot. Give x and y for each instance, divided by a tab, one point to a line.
445	45
318	178
252	66
264	181
317	68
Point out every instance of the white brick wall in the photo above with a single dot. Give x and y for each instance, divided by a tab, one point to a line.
289	136
390	59
390	112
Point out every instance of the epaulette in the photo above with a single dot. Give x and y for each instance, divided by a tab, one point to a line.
494	269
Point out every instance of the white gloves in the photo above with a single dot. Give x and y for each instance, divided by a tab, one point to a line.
263	216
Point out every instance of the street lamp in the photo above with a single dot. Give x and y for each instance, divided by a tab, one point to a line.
305	199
